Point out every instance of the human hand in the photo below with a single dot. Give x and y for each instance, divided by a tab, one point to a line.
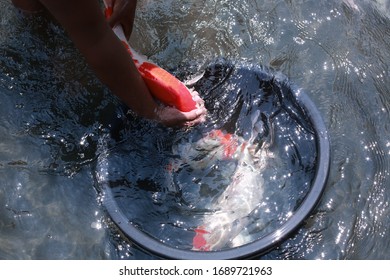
123	12
171	116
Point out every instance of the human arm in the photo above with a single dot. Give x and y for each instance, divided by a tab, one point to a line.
88	29
86	26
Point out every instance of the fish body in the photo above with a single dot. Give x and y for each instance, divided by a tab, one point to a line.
203	153
228	216
162	84
224	223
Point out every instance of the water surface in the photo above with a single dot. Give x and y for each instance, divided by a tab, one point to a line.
53	115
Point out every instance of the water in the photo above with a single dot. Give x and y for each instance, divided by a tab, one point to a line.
337	51
233	187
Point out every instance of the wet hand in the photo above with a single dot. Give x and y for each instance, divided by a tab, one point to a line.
171	116
123	13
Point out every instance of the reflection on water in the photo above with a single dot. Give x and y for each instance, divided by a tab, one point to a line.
337	51
225	183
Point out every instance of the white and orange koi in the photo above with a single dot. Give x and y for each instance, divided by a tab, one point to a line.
162	84
224	226
228	215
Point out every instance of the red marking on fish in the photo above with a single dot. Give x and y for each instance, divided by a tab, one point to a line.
162	84
108	12
227	140
166	87
199	242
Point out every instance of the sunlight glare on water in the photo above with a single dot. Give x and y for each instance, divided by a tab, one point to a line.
238	185
55	113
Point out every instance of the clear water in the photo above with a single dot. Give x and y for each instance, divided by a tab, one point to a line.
171	183
337	51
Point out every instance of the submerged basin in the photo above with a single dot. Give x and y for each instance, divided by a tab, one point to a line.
159	203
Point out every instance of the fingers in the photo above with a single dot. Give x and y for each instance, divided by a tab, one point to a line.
198	115
109	3
170	116
123	13
195	116
127	26
127	29
199	101
115	18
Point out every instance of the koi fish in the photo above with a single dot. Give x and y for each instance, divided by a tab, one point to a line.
202	154
225	225
162	84
229	213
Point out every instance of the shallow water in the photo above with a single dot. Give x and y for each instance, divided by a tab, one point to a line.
337	51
